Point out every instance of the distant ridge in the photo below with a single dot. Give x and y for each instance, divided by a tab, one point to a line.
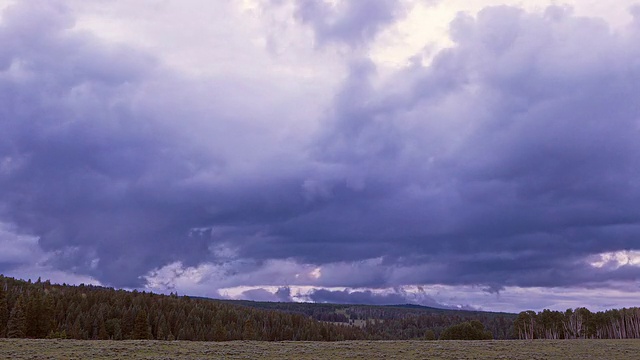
295	305
44	310
387	322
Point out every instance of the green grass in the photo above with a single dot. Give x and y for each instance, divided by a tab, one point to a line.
539	349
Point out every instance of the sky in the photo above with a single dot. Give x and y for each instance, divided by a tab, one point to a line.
461	154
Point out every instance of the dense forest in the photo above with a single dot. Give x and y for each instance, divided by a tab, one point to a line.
579	324
400	322
44	310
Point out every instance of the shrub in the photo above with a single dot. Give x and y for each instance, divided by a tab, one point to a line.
471	330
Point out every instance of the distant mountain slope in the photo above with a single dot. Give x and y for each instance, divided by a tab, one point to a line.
404	321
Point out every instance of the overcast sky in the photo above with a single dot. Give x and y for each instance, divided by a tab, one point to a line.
479	154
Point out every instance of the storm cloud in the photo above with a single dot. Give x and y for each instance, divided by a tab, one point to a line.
506	160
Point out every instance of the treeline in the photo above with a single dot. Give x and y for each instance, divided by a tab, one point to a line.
402	322
44	310
579	324
445	326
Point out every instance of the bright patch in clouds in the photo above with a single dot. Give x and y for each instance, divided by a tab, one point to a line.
617	259
316	273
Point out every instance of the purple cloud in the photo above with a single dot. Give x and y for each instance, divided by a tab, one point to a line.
354	22
509	160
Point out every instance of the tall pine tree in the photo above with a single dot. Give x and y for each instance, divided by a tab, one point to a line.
141	330
32	313
4	311
17	324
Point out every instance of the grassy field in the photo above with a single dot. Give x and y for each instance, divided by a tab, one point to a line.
538	349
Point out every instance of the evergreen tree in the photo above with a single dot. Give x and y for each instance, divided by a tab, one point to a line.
77	330
102	331
248	330
113	329
127	324
161	328
33	314
46	321
141	330
4	311
17	324
219	333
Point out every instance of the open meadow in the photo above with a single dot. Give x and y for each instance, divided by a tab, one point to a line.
539	349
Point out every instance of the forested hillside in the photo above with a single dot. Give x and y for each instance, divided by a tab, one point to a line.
41	310
397	322
44	310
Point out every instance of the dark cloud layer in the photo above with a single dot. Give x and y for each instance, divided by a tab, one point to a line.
509	160
83	160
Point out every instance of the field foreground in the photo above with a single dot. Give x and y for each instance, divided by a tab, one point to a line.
505	349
